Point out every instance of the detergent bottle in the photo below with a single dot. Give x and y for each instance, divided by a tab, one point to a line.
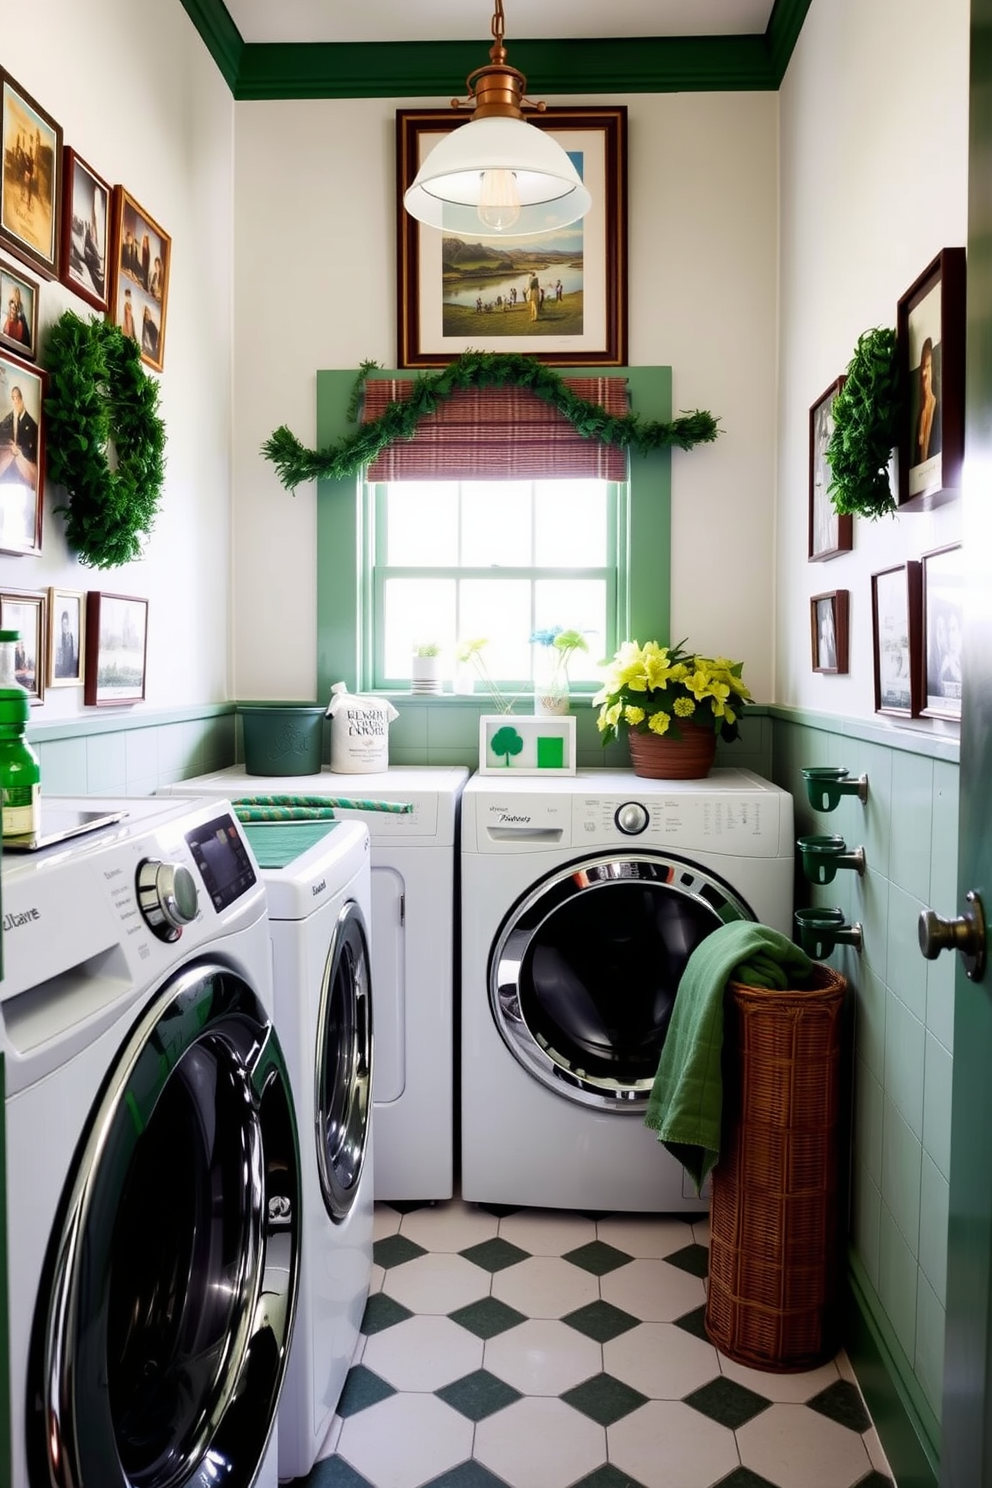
20	771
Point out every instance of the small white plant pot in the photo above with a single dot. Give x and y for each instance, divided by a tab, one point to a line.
425	675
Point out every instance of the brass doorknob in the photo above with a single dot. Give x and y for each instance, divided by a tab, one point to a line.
965	934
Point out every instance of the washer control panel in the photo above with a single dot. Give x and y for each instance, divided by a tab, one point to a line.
632	818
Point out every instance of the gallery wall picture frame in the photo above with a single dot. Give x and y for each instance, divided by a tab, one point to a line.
26	610
930	347
943	628
455	294
30	178
86	227
829	630
22	453
141	261
829	533
523	744
116	649
66	637
895	627
18	312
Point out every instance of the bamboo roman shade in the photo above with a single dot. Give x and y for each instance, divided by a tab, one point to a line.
506	433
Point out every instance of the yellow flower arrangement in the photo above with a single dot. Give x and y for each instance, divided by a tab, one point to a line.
654	688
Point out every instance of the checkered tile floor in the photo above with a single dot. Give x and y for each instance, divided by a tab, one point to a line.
537	1349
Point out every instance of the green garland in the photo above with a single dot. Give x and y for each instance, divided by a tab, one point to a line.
296	464
866	423
100	397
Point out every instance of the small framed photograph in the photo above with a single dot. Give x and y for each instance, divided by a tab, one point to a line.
829	533
66	637
22	454
828	618
31	179
930	345
560	296
26	610
511	744
895	624
18	312
85	226
141	255
116	649
943	619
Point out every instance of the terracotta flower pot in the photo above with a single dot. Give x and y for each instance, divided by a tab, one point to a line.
658	757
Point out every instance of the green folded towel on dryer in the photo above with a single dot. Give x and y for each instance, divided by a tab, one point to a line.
686	1103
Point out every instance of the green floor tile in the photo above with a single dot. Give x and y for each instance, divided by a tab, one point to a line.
694	1322
743	1477
600	1321
608	1476
841	1402
597	1257
334	1472
467	1475
725	1401
487	1318
394	1250
495	1255
362	1388
692	1258
604	1399
478	1395
382	1312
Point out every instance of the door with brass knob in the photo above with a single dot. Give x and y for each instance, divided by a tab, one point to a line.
966	934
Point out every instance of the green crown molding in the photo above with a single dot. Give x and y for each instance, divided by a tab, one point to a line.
655	64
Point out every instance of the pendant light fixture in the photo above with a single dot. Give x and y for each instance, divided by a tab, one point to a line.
497	176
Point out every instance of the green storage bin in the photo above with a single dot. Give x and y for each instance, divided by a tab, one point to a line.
282	738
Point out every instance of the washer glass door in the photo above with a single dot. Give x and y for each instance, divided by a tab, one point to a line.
585	968
343	1082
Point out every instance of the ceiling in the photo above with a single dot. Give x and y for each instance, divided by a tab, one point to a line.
469	20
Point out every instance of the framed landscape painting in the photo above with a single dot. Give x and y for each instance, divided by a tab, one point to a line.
31	178
116	649
559	296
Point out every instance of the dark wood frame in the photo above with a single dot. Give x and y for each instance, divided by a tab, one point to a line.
948	273
838	600
125	280
36	599
412	126
71	279
96	617
46	263
23	282
936	704
906	579
840	534
26	369
56	596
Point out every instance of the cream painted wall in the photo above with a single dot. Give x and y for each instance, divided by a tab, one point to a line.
874	144
315	287
145	106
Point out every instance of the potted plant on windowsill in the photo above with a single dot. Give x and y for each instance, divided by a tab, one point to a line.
425	668
556	649
672	703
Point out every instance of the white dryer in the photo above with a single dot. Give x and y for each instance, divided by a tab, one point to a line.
318	884
153	1176
413	931
582	898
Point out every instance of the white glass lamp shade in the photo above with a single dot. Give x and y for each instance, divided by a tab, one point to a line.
497	177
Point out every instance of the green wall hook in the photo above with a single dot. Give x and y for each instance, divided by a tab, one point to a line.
821	930
825	784
823	855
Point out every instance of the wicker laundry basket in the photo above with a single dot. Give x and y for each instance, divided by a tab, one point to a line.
776	1211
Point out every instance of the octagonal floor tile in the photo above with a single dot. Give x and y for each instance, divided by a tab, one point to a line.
666	1444
784	1389
644	1237
547	1232
653	1291
661	1360
385	1221
789	1444
545	1287
434	1437
540	1443
423	1353
437	1283
543	1357
450	1227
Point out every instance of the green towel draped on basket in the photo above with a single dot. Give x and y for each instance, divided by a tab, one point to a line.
686	1103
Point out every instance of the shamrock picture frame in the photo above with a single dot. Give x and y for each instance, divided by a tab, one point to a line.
522	745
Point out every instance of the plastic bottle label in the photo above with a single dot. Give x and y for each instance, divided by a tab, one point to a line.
21	810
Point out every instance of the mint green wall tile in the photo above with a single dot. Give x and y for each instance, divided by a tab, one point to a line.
142	785
63	767
905	1045
905	968
409	730
937	1104
106	765
868	1105
870	905
943	894
902	1166
140	757
934	1191
875	761
172	752
928	1363
898	1277
866	1220
940	999
869	1021
219	743
195	754
456	728
910	827
468	757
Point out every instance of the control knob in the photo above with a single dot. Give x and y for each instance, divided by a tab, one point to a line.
631	818
167	897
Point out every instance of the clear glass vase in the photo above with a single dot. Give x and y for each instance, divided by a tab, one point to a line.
550	687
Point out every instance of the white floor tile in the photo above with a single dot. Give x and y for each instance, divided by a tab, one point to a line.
543	1357
653	1290
436	1283
452	1226
405	1440
661	1360
540	1443
423	1353
545	1287
786	1389
875	1451
790	1446
547	1232
385	1221
644	1236
666	1444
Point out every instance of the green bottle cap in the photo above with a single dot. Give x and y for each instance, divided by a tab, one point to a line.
15	706
9	635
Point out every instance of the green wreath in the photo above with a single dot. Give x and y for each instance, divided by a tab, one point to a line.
105	439
296	464
866	425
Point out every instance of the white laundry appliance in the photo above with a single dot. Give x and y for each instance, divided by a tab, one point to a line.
413	932
318	884
582	898
153	1174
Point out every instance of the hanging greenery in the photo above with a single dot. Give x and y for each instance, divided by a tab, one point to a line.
105	439
866	425
474	369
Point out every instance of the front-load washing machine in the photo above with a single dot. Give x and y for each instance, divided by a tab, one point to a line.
582	898
318	884
153	1175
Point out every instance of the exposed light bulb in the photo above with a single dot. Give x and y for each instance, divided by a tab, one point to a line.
499	200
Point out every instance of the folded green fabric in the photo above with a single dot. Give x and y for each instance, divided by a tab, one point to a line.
686	1103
